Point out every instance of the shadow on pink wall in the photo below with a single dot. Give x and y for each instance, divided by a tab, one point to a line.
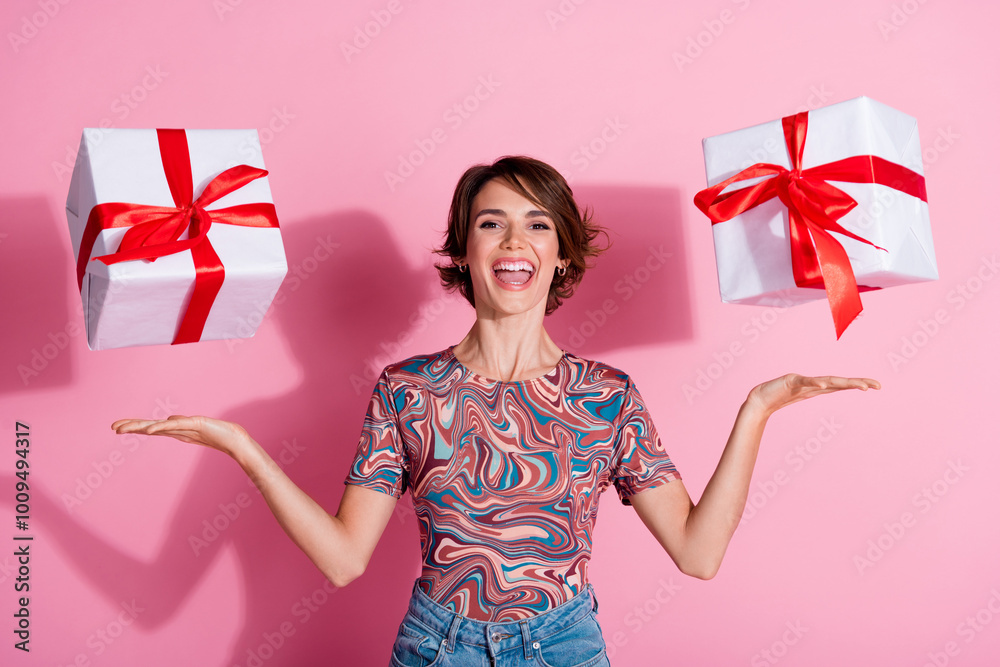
637	294
36	351
350	286
362	289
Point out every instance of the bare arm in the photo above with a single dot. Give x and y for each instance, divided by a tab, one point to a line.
340	545
696	536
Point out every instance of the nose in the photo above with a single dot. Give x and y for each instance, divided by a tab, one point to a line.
513	237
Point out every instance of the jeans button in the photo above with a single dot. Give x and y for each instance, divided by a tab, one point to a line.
497	637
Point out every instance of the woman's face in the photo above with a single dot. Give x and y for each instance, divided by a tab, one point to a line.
512	251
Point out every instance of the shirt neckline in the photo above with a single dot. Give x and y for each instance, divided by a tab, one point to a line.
550	374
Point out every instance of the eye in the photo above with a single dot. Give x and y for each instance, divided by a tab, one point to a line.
489	224
540	225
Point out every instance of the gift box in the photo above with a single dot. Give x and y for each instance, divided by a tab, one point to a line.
175	235
823	204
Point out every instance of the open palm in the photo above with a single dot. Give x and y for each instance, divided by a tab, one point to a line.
206	431
792	388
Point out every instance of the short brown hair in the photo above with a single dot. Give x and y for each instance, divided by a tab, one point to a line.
542	185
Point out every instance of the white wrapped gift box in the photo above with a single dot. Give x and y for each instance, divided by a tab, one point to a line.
752	250
142	302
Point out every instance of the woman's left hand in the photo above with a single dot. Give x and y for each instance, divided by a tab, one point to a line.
792	388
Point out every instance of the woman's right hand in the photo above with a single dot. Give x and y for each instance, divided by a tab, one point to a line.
340	545
224	436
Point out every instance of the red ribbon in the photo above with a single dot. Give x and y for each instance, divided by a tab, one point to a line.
814	206
154	230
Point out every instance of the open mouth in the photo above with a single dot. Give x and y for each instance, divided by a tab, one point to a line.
513	272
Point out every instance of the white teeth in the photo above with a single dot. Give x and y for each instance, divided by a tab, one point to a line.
513	266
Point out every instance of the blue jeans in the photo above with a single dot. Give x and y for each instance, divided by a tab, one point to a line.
566	636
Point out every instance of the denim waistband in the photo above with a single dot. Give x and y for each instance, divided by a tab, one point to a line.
500	636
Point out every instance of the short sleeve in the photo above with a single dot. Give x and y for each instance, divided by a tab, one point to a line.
639	460
380	462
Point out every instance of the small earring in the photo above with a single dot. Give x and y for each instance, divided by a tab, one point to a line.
462	268
562	270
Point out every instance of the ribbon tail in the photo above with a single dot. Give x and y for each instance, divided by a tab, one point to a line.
806	267
90	233
209	277
838	278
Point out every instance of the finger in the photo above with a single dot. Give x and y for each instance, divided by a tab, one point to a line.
176	423
155	426
807	383
864	384
132	425
834	383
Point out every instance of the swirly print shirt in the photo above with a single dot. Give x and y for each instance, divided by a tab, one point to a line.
506	476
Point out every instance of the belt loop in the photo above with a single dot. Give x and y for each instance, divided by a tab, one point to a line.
453	633
526	638
594	596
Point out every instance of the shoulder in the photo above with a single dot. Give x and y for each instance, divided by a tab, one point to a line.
422	369
592	372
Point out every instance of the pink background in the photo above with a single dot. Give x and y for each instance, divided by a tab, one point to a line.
795	587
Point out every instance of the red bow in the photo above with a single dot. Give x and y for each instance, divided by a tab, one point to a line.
814	206
154	230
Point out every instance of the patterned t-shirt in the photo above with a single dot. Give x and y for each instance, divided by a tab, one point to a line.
506	476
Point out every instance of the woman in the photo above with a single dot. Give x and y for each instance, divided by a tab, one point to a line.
506	443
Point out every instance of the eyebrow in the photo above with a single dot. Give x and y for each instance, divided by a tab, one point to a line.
502	213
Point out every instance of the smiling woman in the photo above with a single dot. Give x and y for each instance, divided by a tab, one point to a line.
506	444
539	194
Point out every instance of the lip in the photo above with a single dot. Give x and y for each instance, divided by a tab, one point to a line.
507	286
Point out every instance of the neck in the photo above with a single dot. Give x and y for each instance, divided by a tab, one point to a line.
509	348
